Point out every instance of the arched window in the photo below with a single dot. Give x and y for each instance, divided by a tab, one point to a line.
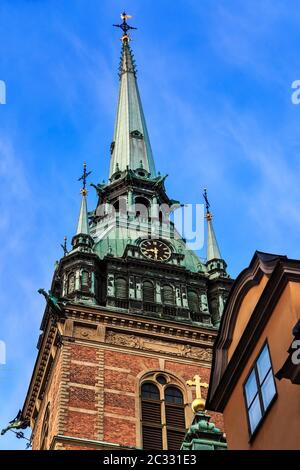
71	283
163	414
45	428
148	292
151	417
84	280
121	288
168	295
142	207
175	417
193	301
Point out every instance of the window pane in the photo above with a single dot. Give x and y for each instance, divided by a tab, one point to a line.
251	388
173	395
150	391
254	414
263	363
268	389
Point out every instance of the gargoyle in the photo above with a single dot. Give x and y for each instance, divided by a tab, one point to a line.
51	300
99	188
17	423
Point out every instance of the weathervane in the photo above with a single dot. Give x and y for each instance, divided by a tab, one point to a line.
64	247
83	178
207	204
125	27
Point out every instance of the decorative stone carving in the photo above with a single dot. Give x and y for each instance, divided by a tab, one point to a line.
137	342
85	332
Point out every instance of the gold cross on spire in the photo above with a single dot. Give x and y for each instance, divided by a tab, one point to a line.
199	403
83	178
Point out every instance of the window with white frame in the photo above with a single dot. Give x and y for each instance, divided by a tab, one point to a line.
259	389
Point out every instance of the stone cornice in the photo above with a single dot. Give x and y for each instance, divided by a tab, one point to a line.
188	336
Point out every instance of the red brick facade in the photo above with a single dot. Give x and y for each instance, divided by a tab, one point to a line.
93	387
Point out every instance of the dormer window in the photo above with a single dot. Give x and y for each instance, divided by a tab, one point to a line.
136	135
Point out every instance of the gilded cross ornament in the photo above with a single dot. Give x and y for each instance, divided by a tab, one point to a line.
199	403
125	27
208	215
83	178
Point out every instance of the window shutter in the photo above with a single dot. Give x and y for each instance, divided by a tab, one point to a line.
152	438
175	417
84	280
151	412
168	295
193	301
151	417
121	288
175	439
148	292
71	283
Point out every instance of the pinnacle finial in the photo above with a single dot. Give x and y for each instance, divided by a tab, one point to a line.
199	403
83	178
208	214
64	246
125	27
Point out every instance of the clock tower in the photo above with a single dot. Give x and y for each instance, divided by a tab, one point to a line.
132	312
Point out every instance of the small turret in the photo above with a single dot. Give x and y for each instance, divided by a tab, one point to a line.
215	264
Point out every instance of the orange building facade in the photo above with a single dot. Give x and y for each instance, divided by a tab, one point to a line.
250	385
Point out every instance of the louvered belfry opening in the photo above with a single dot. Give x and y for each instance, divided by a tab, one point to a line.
121	288
85	281
151	417
175	417
163	415
148	292
168	295
193	301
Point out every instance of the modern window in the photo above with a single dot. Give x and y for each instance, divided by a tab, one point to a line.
259	389
163	414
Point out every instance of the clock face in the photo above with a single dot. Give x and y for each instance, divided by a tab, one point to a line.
155	250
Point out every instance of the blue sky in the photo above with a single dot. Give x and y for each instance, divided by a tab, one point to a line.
215	78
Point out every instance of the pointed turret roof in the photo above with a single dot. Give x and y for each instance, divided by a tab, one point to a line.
131	145
82	240
212	248
83	221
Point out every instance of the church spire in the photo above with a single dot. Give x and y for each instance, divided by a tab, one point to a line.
215	264
83	240
131	145
212	248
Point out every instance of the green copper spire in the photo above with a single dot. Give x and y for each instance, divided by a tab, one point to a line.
131	144
83	240
212	250
83	223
